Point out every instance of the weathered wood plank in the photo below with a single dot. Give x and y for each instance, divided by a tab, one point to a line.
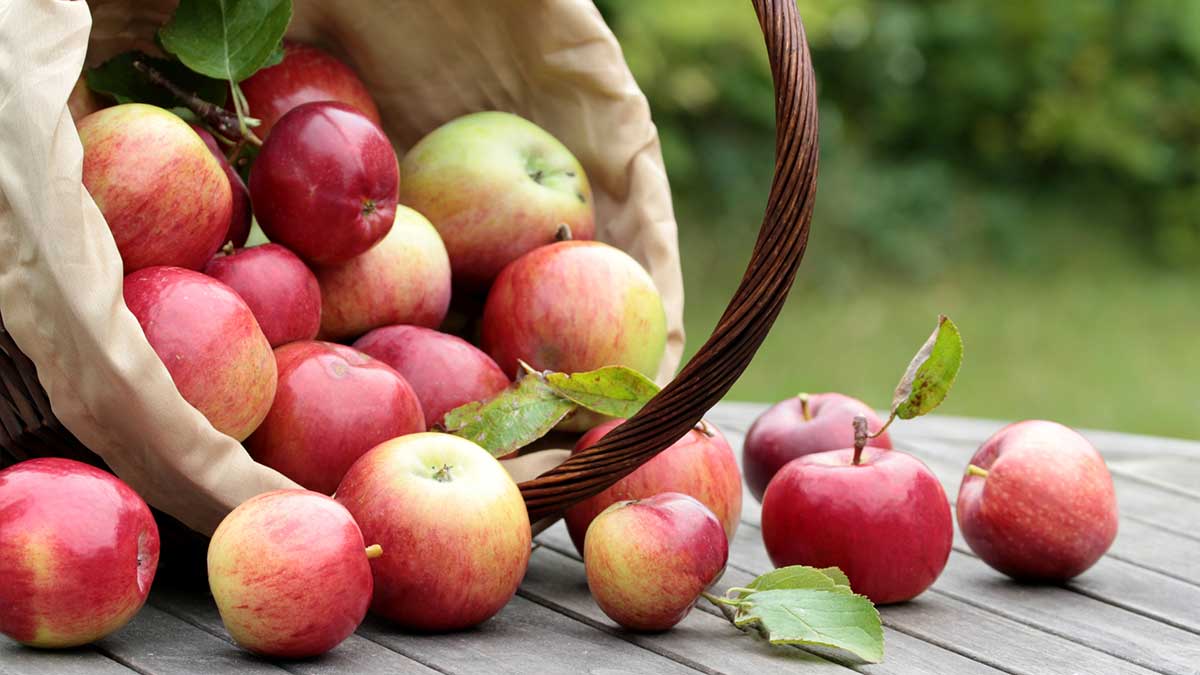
16	659
356	655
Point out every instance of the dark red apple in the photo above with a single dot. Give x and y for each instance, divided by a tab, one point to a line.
884	521
333	404
280	290
1037	502
78	552
239	221
325	183
444	370
209	341
701	465
800	426
306	74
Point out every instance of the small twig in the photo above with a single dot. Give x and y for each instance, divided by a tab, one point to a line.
222	121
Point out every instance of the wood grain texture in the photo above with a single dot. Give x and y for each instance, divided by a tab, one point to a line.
19	660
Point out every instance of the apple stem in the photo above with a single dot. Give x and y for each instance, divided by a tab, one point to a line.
860	438
374	551
883	428
223	122
804	410
563	233
973	470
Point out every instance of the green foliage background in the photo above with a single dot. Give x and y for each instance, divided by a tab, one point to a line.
1029	168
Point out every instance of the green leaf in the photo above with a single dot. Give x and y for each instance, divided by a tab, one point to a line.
512	419
615	391
833	618
118	79
800	577
226	39
931	372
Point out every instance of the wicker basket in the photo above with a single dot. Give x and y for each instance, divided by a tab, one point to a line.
28	427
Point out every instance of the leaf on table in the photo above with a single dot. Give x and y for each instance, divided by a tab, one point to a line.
830	618
801	577
512	419
615	391
931	372
118	79
227	39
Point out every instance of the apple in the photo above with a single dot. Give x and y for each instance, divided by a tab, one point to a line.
575	306
1037	502
799	426
403	279
280	290
884	520
496	186
648	560
164	196
701	465
239	221
455	517
325	182
333	404
209	341
78	552
445	371
305	75
290	574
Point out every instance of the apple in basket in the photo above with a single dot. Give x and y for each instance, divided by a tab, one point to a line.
277	286
78	552
496	186
240	218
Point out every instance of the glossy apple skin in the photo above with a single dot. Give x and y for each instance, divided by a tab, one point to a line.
209	341
648	560
277	286
613	316
404	279
163	194
289	573
781	434
465	536
496	186
886	522
1046	511
306	74
78	553
240	216
701	465
325	183
445	371
333	404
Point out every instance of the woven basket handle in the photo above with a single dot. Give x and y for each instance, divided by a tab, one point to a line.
712	371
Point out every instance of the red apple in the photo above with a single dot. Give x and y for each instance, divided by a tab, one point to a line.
404	279
648	560
496	186
333	404
289	572
457	521
800	426
325	183
78	552
164	196
701	465
575	306
209	341
306	74
1037	502
239	220
280	290
884	521
445	371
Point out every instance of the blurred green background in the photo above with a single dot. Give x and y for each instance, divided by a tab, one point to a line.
1029	168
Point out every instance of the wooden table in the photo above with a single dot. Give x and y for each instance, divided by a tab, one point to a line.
1136	611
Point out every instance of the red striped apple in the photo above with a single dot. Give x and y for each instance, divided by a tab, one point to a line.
648	560
289	572
78	552
277	286
333	404
209	341
701	465
575	306
496	186
457	525
163	194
